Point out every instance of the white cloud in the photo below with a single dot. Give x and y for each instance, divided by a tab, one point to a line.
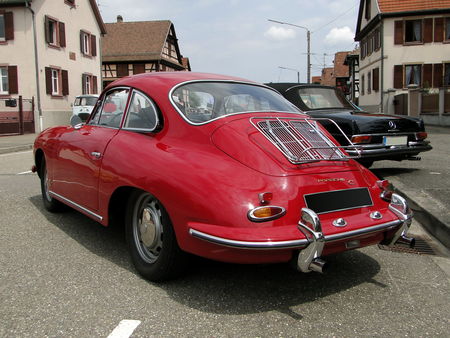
338	36
280	33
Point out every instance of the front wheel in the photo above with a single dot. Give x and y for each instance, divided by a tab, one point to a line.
151	239
50	203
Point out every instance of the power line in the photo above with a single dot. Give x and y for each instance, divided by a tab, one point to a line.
339	16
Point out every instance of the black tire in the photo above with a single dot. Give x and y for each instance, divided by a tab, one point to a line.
50	203
151	239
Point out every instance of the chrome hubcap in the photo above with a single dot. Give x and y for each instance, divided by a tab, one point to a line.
148	229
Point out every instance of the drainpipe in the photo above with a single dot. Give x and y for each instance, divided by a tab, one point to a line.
382	68
36	66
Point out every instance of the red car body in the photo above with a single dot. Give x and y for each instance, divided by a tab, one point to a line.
209	175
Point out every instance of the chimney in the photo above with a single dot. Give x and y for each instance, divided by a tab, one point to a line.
119	18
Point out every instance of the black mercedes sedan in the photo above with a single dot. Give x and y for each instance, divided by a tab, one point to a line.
378	136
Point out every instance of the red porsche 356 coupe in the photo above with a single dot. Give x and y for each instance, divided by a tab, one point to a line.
218	167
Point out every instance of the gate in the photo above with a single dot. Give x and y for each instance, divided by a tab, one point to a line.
16	116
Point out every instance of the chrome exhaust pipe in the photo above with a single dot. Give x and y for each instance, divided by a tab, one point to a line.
318	265
406	241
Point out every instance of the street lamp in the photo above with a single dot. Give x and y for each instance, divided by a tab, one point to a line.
308	39
295	70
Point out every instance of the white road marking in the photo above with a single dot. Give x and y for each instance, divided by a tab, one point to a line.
125	328
17	153
25	172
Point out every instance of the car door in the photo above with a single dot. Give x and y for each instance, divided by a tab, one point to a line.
80	152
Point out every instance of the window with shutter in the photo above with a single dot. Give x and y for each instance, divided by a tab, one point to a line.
55	32
6	26
2	28
413	75
88	44
369	82
56	81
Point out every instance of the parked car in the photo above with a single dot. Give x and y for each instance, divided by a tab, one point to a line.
380	136
215	166
83	106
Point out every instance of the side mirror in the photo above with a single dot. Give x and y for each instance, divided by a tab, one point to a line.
75	120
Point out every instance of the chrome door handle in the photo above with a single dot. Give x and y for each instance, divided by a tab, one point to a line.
96	154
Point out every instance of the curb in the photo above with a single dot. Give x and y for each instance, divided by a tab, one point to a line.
16	149
429	212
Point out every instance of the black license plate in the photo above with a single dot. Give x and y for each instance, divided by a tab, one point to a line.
329	201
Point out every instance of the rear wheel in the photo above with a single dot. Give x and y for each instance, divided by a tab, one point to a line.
151	239
50	203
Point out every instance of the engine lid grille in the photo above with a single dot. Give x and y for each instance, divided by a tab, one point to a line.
300	139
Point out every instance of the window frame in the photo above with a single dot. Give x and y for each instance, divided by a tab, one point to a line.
5	75
156	111
413	42
3	38
101	103
405	84
447	29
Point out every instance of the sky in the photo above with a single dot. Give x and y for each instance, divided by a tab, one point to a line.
234	37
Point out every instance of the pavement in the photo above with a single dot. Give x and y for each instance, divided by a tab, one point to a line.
425	184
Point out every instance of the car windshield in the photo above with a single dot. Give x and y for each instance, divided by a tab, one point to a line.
201	102
323	98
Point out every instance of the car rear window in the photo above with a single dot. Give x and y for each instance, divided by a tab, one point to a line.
202	102
322	98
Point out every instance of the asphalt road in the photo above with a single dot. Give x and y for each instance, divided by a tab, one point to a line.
62	275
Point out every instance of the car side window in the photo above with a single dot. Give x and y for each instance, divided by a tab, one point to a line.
142	113
112	109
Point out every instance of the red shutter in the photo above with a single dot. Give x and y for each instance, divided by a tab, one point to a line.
376	79
94	85
81	43
12	80
398	76
48	80
93	45
47	29
65	82
428	31
398	32
438	29
437	75
62	34
427	75
9	26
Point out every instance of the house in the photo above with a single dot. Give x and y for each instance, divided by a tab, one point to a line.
140	47
48	55
403	44
327	78
341	73
352	61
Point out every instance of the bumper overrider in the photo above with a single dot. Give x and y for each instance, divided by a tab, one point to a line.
311	247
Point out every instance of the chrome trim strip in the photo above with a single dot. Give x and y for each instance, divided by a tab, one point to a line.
293	244
76	205
300	243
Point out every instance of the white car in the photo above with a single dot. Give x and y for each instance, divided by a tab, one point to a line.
83	105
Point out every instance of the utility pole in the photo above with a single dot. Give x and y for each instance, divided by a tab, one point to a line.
308	40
